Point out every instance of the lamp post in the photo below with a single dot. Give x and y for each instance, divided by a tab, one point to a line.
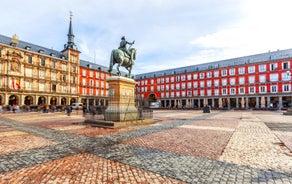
289	74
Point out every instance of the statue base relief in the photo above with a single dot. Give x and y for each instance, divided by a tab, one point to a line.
121	106
121	110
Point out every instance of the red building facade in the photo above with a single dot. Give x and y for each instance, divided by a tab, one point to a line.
93	88
257	81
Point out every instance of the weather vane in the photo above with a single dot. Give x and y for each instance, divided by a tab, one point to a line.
71	14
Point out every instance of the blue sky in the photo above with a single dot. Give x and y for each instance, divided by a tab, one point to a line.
167	33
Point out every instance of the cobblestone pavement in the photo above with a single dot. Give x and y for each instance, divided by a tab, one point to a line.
181	147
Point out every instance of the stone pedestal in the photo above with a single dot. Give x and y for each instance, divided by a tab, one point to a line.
121	105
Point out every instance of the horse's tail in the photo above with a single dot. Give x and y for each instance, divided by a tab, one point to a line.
111	62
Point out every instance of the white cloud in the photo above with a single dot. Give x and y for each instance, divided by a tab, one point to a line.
264	27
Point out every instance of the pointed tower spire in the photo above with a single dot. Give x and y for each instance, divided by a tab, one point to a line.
70	43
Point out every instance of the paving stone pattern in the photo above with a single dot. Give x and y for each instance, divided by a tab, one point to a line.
147	165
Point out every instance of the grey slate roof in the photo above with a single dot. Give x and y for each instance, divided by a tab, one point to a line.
94	66
34	48
269	56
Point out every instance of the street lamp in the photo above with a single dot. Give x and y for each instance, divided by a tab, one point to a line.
289	74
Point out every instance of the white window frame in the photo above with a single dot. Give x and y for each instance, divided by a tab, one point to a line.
224	91
232	91
251	69
209	92
232	71
251	90
209	74
224	82
216	92
224	72
216	82
202	92
262	68
273	66
286	88
262	89
274	89
241	80
209	83
251	79
216	73
262	78
274	77
232	81
241	70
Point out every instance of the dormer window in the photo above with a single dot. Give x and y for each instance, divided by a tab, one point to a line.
14	40
27	47
41	51
52	54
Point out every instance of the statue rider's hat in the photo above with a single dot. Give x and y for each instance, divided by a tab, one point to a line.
123	38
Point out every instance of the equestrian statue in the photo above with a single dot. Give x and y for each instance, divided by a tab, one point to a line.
123	56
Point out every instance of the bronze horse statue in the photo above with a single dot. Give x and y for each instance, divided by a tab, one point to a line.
122	59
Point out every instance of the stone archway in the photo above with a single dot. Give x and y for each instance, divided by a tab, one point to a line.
151	98
73	100
63	101
232	102
53	100
287	101
13	100
252	102
28	100
42	100
1	99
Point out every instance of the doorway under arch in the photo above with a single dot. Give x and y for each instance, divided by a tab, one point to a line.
53	100
42	100
13	100
151	98
73	100
63	101
28	100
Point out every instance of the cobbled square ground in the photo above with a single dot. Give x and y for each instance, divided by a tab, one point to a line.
182	146
187	140
83	168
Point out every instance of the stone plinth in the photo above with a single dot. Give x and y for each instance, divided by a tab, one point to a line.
121	105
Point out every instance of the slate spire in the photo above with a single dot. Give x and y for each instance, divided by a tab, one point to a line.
70	43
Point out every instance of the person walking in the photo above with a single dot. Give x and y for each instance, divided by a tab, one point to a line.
68	110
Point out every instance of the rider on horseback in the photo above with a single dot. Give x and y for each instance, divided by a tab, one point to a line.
123	47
